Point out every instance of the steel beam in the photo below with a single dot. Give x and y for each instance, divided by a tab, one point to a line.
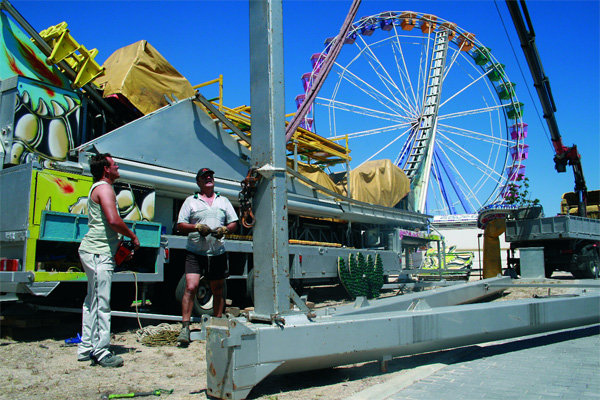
240	354
114	313
270	235
452	295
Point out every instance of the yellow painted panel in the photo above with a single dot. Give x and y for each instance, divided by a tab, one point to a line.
43	276
59	191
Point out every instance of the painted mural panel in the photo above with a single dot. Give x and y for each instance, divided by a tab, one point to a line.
66	192
47	111
21	57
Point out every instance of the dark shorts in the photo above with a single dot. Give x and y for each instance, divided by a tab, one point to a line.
211	267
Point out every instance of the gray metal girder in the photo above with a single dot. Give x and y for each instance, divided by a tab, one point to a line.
180	136
468	292
241	354
270	232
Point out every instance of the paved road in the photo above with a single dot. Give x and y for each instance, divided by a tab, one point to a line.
560	365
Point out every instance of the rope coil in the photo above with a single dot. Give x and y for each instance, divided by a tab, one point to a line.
160	335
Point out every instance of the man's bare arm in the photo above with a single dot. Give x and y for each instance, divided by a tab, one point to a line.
105	196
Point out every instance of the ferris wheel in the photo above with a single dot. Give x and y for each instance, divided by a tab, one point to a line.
426	94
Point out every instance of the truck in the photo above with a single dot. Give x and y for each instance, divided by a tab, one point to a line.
569	242
54	114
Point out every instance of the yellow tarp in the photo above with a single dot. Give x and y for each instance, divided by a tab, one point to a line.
379	182
568	204
316	175
142	75
375	182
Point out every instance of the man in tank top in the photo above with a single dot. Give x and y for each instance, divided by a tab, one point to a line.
96	252
206	217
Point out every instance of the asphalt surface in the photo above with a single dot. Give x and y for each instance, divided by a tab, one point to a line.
555	365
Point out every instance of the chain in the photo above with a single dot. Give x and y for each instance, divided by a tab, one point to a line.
245	197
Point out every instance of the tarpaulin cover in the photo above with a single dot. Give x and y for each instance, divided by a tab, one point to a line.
379	182
316	175
375	182
143	76
569	201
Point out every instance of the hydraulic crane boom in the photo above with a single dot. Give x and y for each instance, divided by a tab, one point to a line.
563	154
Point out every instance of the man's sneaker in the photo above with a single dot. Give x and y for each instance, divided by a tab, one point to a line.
110	361
84	357
184	336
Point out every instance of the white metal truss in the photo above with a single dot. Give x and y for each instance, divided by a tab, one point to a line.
418	165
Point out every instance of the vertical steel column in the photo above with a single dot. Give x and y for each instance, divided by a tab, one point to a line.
270	237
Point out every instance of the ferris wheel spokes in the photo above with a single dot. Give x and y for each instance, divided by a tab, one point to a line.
473	111
369	132
464	188
487	170
403	74
386	146
441	165
386	80
373	93
464	88
359	110
488	138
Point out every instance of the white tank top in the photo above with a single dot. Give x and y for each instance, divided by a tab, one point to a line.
101	238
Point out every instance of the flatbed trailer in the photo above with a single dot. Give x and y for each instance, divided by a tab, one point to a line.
569	243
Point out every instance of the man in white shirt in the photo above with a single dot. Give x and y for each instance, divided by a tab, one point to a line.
206	217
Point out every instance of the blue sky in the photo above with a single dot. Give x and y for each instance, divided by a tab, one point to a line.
203	39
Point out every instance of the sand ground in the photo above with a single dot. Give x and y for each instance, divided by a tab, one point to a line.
36	363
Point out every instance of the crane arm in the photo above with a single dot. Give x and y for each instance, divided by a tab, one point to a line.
563	155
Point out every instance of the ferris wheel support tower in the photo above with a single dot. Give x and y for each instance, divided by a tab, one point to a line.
418	166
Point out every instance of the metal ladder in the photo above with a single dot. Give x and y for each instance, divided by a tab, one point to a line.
418	165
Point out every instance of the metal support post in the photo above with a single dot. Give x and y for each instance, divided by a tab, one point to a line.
270	238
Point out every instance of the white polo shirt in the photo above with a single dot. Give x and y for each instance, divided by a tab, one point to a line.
195	210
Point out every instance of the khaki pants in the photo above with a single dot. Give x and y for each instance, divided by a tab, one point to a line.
95	326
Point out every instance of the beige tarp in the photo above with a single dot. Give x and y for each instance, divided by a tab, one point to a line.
316	175
142	75
375	182
379	182
568	204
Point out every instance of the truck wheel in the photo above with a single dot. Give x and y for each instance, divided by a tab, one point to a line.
250	285
591	269
591	265
203	302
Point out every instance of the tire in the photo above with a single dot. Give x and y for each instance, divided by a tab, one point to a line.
591	269
250	285
203	301
591	265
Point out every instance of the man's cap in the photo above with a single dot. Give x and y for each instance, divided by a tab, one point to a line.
204	171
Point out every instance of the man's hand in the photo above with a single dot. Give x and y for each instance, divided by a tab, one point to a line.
220	232
136	243
203	229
